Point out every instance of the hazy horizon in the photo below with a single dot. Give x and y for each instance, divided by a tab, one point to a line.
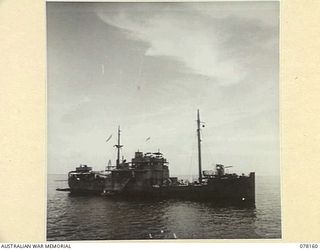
148	67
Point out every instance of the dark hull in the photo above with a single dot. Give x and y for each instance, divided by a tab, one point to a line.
238	191
86	186
147	196
233	192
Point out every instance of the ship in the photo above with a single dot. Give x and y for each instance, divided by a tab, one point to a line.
147	176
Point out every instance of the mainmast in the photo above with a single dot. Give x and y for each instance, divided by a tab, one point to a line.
118	146
199	146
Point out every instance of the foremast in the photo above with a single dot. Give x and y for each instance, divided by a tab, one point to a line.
199	146
118	146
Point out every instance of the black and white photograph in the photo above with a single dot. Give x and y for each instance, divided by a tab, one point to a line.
163	120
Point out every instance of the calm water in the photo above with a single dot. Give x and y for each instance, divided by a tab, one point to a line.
92	218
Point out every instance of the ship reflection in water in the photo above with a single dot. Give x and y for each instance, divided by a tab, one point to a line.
95	217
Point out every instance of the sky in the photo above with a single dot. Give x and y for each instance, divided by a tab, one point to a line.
148	67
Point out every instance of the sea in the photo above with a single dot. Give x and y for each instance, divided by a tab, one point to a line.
74	218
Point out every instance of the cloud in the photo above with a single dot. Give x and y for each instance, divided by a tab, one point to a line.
197	37
220	58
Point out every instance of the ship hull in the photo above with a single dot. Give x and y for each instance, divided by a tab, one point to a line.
238	191
86	185
233	193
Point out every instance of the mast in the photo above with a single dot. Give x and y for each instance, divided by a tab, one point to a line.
118	146
199	146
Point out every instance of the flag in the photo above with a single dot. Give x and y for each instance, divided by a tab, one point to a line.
109	138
